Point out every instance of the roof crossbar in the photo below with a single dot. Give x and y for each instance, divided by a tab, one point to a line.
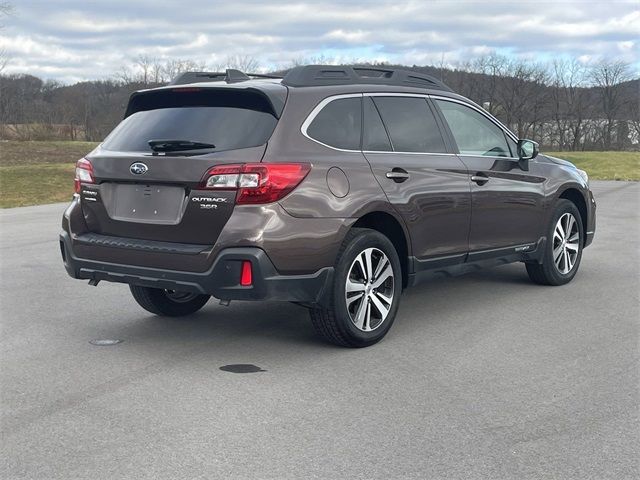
319	75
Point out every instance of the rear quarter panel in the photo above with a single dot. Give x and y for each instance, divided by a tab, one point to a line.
314	198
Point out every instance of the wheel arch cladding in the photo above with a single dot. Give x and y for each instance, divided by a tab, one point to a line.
575	196
389	226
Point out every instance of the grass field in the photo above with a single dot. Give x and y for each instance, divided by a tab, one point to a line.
35	173
605	165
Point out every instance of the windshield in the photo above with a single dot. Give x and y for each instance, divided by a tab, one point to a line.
226	119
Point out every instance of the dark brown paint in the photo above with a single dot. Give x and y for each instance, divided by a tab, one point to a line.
441	211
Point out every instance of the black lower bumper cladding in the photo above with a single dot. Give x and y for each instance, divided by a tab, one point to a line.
222	280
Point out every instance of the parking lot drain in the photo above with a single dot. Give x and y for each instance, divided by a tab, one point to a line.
104	342
241	368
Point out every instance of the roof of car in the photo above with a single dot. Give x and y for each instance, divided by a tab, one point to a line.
318	76
324	75
329	79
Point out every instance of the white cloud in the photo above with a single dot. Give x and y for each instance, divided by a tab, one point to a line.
75	39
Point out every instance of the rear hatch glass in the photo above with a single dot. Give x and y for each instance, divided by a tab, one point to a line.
228	120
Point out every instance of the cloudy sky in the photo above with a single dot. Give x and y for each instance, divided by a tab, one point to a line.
72	40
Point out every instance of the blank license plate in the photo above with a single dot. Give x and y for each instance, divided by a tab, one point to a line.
147	203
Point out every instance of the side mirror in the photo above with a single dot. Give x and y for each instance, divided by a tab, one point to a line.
527	149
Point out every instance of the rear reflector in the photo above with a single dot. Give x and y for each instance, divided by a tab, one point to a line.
84	174
256	182
246	275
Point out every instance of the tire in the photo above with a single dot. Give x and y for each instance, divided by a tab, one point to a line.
168	303
360	321
559	269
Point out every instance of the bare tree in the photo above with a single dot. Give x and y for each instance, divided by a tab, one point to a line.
6	9
172	68
635	120
492	67
145	64
313	60
244	63
522	95
124	76
607	77
568	103
156	71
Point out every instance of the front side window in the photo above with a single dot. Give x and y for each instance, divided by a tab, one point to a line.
513	146
474	133
411	124
338	124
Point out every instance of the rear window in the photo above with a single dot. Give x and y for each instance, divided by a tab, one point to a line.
374	136
338	124
229	120
411	124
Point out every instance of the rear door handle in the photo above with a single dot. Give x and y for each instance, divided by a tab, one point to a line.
398	175
479	178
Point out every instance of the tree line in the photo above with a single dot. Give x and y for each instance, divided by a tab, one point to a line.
564	105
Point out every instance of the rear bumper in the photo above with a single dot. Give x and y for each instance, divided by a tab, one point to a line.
222	280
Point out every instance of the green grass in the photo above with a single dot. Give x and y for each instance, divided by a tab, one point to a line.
36	184
35	173
31	152
605	165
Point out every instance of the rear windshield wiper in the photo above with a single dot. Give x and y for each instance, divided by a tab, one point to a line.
177	145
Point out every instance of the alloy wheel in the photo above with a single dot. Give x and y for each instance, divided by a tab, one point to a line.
369	289
566	243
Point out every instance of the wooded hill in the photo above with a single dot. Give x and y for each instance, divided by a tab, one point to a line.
564	106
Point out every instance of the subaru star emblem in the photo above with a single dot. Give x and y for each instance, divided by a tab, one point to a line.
138	168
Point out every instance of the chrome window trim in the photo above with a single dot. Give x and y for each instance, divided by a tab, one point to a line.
487	156
408	153
316	110
395	94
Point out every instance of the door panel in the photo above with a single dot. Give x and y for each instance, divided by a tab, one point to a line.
434	201
430	190
506	210
507	199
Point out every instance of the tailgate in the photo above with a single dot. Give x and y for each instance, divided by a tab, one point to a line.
167	206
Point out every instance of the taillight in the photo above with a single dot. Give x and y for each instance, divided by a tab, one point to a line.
84	174
256	182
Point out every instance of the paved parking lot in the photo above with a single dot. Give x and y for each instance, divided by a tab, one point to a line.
484	376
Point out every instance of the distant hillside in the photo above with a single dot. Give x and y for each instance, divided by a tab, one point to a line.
532	101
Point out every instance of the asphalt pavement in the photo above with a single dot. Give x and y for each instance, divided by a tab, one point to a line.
482	376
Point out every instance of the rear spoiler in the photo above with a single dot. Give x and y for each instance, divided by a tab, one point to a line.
248	97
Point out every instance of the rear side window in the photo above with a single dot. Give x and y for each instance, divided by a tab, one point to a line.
338	124
229	120
374	135
411	124
474	133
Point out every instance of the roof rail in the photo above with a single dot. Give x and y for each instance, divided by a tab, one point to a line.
230	76
319	75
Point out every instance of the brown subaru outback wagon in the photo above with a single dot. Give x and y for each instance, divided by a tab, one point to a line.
332	187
